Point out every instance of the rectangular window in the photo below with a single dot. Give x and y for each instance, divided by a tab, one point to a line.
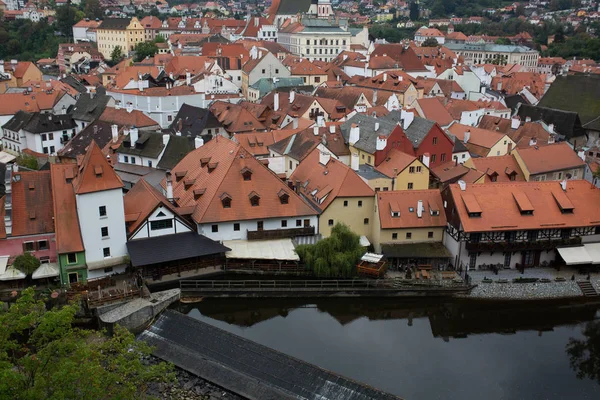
411	170
410	185
236	226
71	258
264	70
366	221
345	203
133	160
42	245
433	158
507	259
161	224
45	150
409	235
51	136
104	231
125	159
360	203
51	149
283	223
532	236
298	222
430	235
150	163
418	169
435	140
443	157
330	222
102	211
472	260
260	225
106	251
44	137
394	236
215	228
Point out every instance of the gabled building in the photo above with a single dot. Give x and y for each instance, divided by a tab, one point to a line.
231	195
16	73
262	64
235	118
334	189
482	142
524	134
551	162
195	122
406	171
518	224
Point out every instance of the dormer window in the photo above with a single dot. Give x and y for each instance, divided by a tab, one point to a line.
212	166
395	214
188	183
204	161
247	174
198	193
226	200
179	175
284	198
254	199
98	171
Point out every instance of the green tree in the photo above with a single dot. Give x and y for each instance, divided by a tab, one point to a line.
145	49
520	10
117	54
92	9
584	354
503	40
559	36
334	256
160	39
27	161
26	263
438	10
66	17
414	11
43	357
430	42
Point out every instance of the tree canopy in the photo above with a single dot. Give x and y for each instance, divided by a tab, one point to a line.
334	256
117	55
27	41
26	263
145	49
584	354
414	11
581	45
430	42
43	357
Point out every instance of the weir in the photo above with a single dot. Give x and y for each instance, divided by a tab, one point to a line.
245	367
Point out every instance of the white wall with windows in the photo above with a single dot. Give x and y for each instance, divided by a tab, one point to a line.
161	222
239	229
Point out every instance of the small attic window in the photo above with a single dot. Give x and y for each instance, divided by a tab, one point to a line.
31	186
284	198
212	166
32	215
98	171
179	175
204	161
188	183
254	199
226	200
247	174
198	193
395	214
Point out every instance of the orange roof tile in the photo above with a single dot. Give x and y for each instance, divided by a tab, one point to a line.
549	158
395	162
478	137
402	201
235	118
122	117
434	110
66	220
504	168
32	205
500	209
95	174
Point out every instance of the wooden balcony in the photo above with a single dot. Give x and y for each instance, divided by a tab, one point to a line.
281	233
522	246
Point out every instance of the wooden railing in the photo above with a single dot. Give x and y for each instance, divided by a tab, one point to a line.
522	246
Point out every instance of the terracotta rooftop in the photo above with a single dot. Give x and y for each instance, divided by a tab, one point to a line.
94	173
405	56
499	169
398	209
549	158
235	118
434	110
500	210
121	117
478	137
66	219
32	204
395	162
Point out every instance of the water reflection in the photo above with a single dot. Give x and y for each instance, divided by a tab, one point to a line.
428	349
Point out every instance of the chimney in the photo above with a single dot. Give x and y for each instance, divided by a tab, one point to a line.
462	184
133	136
527	119
129	107
407	118
467	136
95	129
316	130
532	141
115	133
499	86
171	76
198	142
255	21
292	96
374	98
515	122
92	95
376	126
551	128
276	101
295	123
188	78
420	208
381	143
563	185
169	186
354	162
117	105
332	129
354	134
551	139
385	76
580	154
140	85
324	157
426	160
166	139
320	120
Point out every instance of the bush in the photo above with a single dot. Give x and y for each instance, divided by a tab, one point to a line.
26	263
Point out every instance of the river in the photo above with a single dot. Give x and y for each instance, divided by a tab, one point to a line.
420	350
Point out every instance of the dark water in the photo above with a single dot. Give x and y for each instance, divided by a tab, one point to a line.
423	351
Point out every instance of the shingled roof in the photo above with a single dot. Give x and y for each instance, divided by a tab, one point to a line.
89	106
566	123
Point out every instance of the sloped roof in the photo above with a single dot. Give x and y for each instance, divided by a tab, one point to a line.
549	158
89	106
115	23
177	148
566	123
417	130
434	110
66	219
226	160
368	135
191	121
402	201
98	131
122	117
503	166
235	118
333	180
479	137
32	204
404	55
395	162
95	174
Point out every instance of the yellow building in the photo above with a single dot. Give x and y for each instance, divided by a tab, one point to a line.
18	73
406	171
337	191
121	32
409	227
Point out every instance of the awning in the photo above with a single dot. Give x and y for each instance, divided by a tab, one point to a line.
5	157
593	250
46	270
279	249
415	250
167	248
364	242
3	263
12	274
372	257
574	255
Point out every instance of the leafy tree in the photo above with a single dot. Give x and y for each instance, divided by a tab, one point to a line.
430	42
27	41
26	263
520	10
335	256
145	49
27	161
66	17
584	354
160	39
117	54
92	9
559	36
503	40
438	10
414	11
43	357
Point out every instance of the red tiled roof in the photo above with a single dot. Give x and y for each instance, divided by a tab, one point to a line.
330	181
235	118
395	162
66	220
122	117
552	157
434	110
95	174
32	204
405	56
479	137
402	201
500	211
90	23
229	159
504	167
305	67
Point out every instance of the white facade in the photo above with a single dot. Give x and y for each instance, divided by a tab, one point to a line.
91	224
45	143
471	118
215	84
226	230
148	229
322	46
83	34
469	81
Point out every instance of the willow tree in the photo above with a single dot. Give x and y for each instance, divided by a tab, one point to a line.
334	256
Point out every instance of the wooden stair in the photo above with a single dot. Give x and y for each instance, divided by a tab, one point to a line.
587	289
